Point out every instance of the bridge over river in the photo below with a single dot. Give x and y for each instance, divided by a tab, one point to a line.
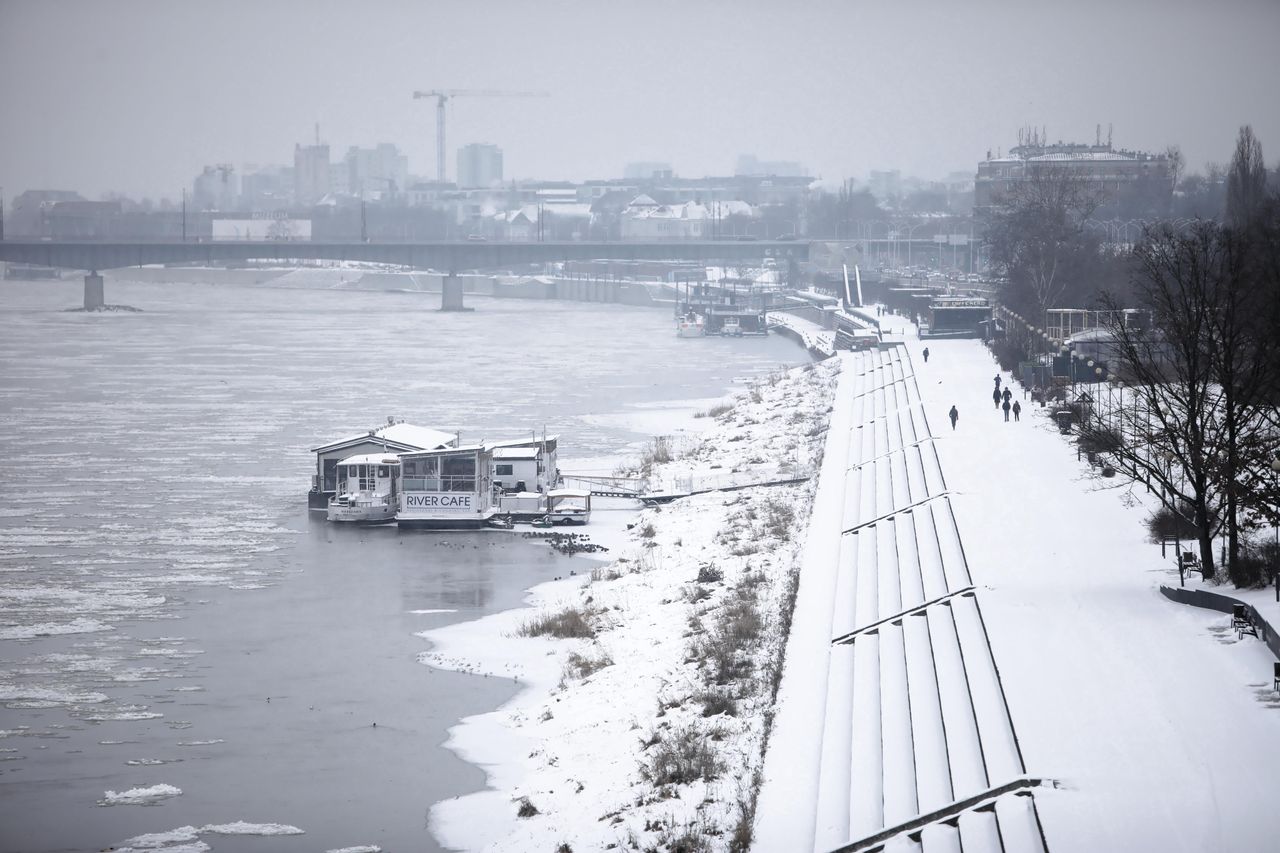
451	257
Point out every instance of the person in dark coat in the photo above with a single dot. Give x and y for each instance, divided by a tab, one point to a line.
995	397
1017	410
997	381
926	355
1007	394
1006	409
954	415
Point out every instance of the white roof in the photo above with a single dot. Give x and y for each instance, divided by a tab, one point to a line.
371	459
524	442
515	453
441	451
407	436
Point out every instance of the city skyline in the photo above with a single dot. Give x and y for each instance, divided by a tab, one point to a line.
138	96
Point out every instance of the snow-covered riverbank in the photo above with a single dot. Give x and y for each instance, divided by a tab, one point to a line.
651	678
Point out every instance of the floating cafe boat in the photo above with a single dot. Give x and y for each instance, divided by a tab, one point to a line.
446	486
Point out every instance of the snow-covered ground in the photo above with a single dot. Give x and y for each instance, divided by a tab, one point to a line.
653	728
1157	728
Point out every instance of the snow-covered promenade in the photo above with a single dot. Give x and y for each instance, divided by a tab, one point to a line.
1153	727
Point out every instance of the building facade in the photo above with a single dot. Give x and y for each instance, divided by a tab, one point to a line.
311	173
1127	184
371	172
479	165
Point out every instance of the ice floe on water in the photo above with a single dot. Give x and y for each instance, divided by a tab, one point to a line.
122	715
140	796
186	839
26	696
150	762
438	610
241	827
201	742
363	848
50	629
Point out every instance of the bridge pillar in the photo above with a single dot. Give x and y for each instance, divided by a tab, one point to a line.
451	293
93	292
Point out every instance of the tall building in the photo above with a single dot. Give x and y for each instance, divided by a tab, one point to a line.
215	188
1128	184
311	180
749	166
266	187
645	170
479	165
379	169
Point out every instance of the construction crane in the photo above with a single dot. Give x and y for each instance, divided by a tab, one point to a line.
443	95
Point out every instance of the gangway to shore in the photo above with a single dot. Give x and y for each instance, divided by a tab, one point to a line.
608	487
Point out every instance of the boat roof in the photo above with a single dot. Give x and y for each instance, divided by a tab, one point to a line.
399	436
569	493
371	459
443	451
524	442
516	452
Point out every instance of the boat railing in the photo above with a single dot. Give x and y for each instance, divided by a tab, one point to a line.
438	484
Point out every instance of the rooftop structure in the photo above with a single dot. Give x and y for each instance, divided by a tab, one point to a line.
1130	184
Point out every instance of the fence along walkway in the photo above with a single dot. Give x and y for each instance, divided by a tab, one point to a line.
918	750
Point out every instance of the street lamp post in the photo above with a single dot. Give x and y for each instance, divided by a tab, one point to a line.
1275	570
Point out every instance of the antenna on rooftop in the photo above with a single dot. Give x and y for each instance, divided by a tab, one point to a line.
1108	136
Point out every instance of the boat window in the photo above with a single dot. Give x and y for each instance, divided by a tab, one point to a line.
384	471
505	470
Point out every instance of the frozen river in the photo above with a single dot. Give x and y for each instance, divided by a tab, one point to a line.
171	614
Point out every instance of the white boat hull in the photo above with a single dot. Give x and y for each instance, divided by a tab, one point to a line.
362	513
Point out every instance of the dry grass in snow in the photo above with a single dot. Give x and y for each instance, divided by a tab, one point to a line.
652	681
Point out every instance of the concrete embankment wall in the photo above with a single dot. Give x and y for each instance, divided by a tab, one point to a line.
578	289
1225	604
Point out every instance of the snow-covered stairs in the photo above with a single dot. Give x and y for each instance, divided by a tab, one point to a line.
918	748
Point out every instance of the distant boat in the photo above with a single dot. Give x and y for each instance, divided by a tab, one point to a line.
690	326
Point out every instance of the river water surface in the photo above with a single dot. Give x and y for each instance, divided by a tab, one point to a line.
171	614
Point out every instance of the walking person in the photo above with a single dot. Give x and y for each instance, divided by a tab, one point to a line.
1017	410
1007	393
954	415
926	355
995	397
997	381
1006	409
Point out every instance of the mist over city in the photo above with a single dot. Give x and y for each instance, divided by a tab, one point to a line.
669	426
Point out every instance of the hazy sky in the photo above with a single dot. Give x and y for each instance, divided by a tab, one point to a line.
138	95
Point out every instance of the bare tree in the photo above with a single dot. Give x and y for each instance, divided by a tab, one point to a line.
1198	425
1036	235
1246	178
1171	428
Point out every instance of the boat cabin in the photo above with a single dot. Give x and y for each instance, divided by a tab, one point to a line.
569	506
449	488
367	489
526	465
392	437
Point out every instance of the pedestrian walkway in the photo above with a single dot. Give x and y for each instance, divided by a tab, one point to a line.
914	744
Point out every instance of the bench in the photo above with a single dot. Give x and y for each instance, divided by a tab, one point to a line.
1241	622
1189	562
